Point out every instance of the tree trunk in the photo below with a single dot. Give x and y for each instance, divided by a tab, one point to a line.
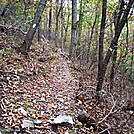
113	67
73	44
62	29
39	33
56	23
92	31
67	25
79	32
50	22
35	23
118	30
114	57
80	22
58	11
101	37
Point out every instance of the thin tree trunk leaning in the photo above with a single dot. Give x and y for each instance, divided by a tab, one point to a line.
35	23
114	57
101	37
111	49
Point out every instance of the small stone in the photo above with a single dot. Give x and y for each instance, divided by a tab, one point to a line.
83	117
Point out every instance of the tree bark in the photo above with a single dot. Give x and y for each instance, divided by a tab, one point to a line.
113	67
39	33
35	23
73	44
67	24
101	37
118	30
114	57
50	22
92	31
80	22
62	29
58	11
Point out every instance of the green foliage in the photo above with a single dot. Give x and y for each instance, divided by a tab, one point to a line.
126	68
44	69
3	51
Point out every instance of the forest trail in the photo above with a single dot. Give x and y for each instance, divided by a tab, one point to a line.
35	89
62	85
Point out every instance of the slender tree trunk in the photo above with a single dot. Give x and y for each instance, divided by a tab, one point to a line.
56	33
39	33
113	67
58	11
114	57
92	31
50	22
73	44
101	37
79	31
118	30
35	23
66	27
62	29
46	24
96	38
132	58
80	22
57	23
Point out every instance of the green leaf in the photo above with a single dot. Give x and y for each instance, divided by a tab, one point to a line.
3	52
21	70
103	91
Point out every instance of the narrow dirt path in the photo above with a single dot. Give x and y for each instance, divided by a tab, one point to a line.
62	86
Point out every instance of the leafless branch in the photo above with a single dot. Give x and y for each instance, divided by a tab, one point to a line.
122	105
114	104
104	131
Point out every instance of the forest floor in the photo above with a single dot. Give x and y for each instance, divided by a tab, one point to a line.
36	89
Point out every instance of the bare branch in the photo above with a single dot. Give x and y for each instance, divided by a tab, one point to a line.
114	104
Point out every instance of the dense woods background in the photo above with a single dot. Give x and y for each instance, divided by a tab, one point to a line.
97	36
